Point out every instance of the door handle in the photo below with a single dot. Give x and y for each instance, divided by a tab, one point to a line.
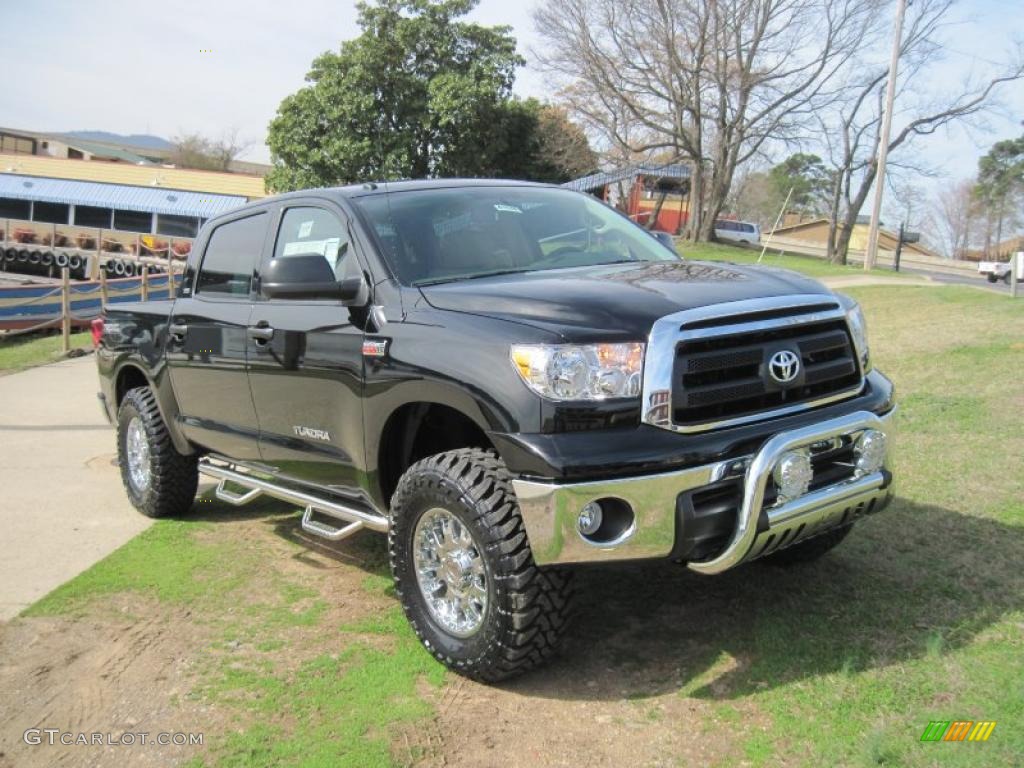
261	334
178	331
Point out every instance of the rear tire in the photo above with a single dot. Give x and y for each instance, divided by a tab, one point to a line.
810	550
160	482
497	614
992	278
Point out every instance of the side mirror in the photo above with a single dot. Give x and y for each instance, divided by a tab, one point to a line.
308	276
665	239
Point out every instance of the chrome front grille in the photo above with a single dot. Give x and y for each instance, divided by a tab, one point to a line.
708	367
725	377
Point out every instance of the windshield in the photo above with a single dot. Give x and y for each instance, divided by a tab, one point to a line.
440	235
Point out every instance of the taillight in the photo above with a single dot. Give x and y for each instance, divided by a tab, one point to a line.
97	331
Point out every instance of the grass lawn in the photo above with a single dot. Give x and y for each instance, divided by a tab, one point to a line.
17	353
808	265
919	616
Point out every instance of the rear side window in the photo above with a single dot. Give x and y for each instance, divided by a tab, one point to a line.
231	256
306	231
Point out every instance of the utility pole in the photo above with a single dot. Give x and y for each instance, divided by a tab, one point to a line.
883	145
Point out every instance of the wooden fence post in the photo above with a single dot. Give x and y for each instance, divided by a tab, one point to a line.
104	293
145	282
65	308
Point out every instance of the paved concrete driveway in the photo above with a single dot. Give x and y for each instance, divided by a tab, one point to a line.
62	506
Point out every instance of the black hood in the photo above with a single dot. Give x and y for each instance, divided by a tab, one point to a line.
613	301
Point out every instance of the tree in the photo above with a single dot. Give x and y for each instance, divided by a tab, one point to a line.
754	197
705	81
851	129
418	93
954	214
1001	184
809	179
193	150
564	146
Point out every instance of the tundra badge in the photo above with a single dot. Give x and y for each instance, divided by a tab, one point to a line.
313	434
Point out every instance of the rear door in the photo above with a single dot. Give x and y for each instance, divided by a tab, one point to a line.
208	340
306	374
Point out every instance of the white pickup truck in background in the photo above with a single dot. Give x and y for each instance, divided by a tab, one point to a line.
1000	270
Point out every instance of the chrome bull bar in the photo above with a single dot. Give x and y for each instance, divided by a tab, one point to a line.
802	516
550	510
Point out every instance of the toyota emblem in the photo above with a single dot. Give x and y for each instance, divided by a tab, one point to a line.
784	366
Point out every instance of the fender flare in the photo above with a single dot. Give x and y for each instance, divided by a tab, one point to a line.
165	402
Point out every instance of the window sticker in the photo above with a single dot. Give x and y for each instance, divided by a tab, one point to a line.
305	229
507	208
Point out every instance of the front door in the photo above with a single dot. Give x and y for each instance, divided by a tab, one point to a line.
306	373
208	341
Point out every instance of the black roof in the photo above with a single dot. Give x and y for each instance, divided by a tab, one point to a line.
406	185
380	187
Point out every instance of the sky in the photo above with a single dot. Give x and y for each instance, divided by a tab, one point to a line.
171	68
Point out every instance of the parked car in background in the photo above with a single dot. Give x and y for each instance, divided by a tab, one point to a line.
738	231
1000	270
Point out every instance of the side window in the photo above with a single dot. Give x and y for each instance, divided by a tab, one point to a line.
231	256
306	231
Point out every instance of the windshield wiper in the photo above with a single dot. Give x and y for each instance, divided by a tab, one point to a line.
460	278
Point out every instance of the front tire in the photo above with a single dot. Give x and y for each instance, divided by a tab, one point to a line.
160	482
464	572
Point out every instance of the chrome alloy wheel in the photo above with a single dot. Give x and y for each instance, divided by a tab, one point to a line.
136	448
450	572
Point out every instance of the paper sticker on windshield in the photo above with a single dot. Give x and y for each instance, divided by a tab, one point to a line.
507	208
305	229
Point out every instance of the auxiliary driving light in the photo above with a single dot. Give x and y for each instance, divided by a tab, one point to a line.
869	451
590	518
793	474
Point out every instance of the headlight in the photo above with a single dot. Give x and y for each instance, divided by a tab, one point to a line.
858	330
580	371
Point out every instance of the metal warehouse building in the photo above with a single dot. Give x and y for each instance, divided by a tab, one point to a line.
107	212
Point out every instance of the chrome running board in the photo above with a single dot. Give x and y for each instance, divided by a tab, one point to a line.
354	518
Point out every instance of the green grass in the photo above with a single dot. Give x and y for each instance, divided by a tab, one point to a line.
808	265
919	616
18	353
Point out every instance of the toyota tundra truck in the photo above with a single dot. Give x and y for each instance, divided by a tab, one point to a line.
509	380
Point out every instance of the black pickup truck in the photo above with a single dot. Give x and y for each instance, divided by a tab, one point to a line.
507	379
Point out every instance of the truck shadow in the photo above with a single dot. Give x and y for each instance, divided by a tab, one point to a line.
917	580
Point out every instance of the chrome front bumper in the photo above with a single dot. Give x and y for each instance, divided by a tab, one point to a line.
550	510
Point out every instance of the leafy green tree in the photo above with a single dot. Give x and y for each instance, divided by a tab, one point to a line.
1000	184
418	93
809	179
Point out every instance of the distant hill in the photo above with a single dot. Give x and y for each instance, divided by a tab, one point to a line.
142	140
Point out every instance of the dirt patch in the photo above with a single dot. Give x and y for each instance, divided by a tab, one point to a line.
134	664
130	672
478	726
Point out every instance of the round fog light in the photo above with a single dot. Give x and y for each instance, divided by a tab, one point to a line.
590	518
793	474
869	451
